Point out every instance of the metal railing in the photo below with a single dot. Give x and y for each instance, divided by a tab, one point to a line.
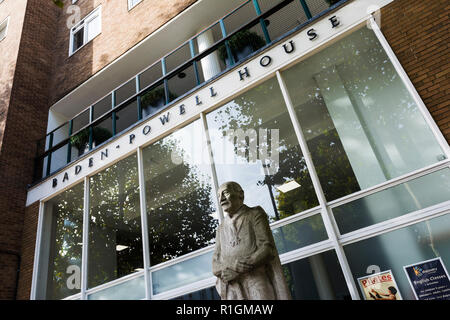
88	129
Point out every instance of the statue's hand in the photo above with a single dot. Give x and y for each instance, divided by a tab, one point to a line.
229	275
242	265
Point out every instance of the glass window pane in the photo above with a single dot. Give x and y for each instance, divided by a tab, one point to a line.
285	19
58	158
182	273
244	43
61	134
60	265
299	234
205	294
102	107
79	143
182	82
80	120
150	75
255	130
93	27
126	116
361	124
181	206
125	91
115	246
317	6
394	250
407	197
178	57
102	132
239	17
131	290
78	39
153	100
317	277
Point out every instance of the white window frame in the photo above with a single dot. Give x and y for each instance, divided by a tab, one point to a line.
96	13
6	23
131	5
336	241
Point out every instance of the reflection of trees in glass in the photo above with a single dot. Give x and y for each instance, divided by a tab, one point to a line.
263	107
179	205
114	220
65	242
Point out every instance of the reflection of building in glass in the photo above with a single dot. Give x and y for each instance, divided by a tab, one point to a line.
304	103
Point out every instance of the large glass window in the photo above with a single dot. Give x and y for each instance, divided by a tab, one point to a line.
181	207
115	234
318	277
397	249
254	143
60	267
414	195
361	124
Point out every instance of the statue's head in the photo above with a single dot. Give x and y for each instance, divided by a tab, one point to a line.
231	197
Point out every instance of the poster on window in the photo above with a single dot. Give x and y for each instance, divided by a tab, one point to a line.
380	286
429	279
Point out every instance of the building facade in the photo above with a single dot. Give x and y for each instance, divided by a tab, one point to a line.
332	115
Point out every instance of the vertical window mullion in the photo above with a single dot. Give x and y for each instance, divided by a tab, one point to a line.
306	9
69	145
144	225
113	114
227	46
191	47
138	99
36	263
211	163
49	156
262	22
330	228
85	245
166	83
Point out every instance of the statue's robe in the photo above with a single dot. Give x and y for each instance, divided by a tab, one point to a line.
247	236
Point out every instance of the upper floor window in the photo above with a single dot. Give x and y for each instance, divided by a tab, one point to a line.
133	3
4	28
86	30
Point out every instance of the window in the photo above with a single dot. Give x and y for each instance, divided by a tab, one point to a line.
277	180
4	28
62	245
86	30
133	3
361	124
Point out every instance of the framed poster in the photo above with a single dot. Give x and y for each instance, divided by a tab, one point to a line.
429	279
380	286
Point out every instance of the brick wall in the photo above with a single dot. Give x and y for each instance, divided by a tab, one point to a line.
418	32
25	122
121	29
9	48
27	254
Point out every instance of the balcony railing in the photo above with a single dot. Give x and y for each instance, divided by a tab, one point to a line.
250	28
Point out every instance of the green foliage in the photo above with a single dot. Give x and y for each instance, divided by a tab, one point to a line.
154	97
81	140
240	41
179	204
59	3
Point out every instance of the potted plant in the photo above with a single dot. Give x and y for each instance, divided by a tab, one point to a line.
153	100
81	140
241	44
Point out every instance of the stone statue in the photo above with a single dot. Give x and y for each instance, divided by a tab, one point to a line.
245	259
